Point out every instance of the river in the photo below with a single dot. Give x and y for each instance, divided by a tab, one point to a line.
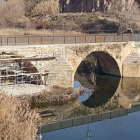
105	96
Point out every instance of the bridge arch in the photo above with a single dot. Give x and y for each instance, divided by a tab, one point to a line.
106	62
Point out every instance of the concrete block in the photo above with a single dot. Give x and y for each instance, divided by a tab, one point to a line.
97	117
54	126
123	112
66	124
77	121
135	108
106	116
46	128
132	109
87	119
59	125
115	114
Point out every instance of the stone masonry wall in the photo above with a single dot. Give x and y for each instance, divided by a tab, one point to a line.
120	59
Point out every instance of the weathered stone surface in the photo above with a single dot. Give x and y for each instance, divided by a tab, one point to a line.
117	58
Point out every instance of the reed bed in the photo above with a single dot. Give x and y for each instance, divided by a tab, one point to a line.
17	122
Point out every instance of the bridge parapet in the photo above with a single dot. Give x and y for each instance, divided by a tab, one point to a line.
93	38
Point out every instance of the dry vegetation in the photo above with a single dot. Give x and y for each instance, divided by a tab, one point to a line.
46	8
17	122
12	14
56	97
18	31
44	16
19	13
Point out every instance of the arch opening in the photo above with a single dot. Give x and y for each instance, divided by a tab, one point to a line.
100	74
99	63
15	70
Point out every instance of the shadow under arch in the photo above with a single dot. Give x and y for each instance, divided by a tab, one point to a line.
104	85
100	62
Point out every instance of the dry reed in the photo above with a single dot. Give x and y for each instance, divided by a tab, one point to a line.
12	14
16	31
45	99
44	8
17	122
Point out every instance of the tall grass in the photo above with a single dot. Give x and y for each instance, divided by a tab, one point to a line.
12	13
49	7
17	122
18	31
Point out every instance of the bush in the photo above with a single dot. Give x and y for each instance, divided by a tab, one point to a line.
17	122
49	7
12	14
99	25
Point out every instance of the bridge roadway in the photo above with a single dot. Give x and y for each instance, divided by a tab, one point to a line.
89	119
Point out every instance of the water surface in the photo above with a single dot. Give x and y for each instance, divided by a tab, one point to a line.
104	94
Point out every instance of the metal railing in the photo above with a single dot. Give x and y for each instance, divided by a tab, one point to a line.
37	40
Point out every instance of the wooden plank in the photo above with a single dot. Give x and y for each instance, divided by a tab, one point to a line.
31	58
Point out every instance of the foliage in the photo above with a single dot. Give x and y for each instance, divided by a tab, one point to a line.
29	6
17	122
99	25
44	8
12	14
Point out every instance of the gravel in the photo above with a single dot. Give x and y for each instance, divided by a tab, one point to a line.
22	89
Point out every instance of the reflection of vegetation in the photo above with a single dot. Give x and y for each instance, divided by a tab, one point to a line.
80	112
106	87
58	97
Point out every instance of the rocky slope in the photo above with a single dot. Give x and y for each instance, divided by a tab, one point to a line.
99	5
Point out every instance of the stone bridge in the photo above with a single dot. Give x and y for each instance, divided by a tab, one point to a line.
115	58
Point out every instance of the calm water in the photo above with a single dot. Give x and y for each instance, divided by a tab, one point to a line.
103	94
122	128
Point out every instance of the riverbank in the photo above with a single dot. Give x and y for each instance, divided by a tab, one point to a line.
18	109
55	97
22	89
32	90
40	96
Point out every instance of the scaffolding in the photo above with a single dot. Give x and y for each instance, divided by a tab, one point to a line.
18	67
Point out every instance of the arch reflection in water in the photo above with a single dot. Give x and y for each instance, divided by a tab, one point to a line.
110	90
121	100
105	88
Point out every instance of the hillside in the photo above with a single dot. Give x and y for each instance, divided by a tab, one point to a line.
66	15
99	5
